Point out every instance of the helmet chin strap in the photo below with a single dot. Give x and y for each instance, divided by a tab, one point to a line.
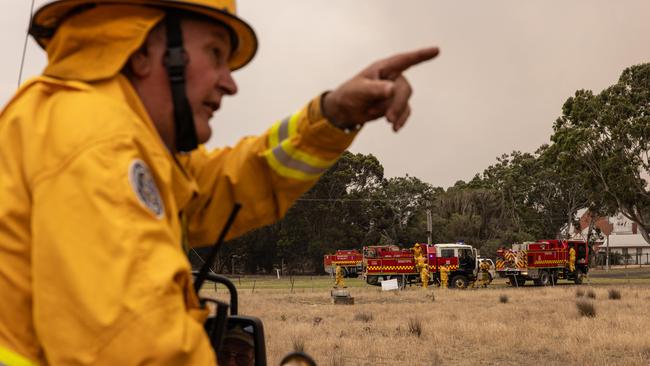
175	61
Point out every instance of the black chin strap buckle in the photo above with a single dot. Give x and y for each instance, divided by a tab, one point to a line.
175	62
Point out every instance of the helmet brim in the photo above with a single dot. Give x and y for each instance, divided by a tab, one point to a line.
48	18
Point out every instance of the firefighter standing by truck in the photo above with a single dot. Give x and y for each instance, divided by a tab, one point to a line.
484	276
572	259
417	251
444	276
424	271
104	151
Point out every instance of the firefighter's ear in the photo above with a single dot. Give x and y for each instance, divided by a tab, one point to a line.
140	64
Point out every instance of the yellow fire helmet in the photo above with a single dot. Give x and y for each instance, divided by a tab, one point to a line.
417	245
49	17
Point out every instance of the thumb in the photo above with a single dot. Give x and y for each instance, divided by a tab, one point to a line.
373	89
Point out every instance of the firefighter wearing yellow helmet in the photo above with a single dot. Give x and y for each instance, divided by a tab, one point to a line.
338	281
444	276
484	269
105	179
417	251
424	271
572	259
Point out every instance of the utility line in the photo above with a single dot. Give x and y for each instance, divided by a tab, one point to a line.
22	60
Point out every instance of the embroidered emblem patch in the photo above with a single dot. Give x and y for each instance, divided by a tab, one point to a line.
145	187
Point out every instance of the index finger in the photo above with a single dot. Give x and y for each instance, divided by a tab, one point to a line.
390	68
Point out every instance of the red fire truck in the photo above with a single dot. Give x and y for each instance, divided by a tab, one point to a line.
389	261
543	262
349	260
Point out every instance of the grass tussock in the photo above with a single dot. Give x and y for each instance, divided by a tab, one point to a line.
591	294
298	344
415	327
337	359
614	294
586	308
580	292
503	298
363	317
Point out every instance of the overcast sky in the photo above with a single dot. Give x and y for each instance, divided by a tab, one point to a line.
505	69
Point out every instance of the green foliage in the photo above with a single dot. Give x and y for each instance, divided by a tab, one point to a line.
606	137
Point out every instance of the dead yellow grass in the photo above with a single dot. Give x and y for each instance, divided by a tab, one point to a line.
471	327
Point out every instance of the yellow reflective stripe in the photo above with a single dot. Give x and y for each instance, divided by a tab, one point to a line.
283	130
10	358
273	134
284	171
297	154
286	159
293	124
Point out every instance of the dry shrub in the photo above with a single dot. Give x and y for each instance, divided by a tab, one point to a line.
614	294
591	294
415	327
363	317
435	359
337	359
283	318
317	320
586	308
298	344
432	296
503	299
580	292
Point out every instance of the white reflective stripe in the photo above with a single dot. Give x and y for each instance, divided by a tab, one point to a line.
285	159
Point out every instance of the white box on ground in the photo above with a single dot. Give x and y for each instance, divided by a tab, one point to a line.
389	285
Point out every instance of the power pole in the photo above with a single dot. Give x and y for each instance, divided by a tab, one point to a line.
607	247
429	226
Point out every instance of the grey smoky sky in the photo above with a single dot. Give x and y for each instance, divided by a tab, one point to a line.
505	69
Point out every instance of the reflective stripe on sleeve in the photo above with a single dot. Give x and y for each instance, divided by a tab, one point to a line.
10	358
287	160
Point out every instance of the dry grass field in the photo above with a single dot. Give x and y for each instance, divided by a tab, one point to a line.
493	326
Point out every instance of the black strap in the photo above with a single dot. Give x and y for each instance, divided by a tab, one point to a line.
175	61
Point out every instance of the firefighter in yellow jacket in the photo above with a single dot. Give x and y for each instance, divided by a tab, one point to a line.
444	276
424	271
338	279
104	180
572	259
417	251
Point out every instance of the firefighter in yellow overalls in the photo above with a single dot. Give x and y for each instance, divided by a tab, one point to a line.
417	251
424	271
444	276
338	282
485	274
572	259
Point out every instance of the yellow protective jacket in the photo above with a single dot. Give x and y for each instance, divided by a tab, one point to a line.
92	271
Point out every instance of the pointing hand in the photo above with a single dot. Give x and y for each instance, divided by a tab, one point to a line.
379	90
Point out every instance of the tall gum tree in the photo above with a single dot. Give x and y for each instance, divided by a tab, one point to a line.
606	137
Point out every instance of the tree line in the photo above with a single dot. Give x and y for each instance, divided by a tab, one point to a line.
597	158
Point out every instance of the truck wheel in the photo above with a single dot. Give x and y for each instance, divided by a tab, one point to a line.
372	280
544	279
459	281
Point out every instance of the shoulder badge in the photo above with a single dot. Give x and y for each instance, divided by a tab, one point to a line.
145	187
